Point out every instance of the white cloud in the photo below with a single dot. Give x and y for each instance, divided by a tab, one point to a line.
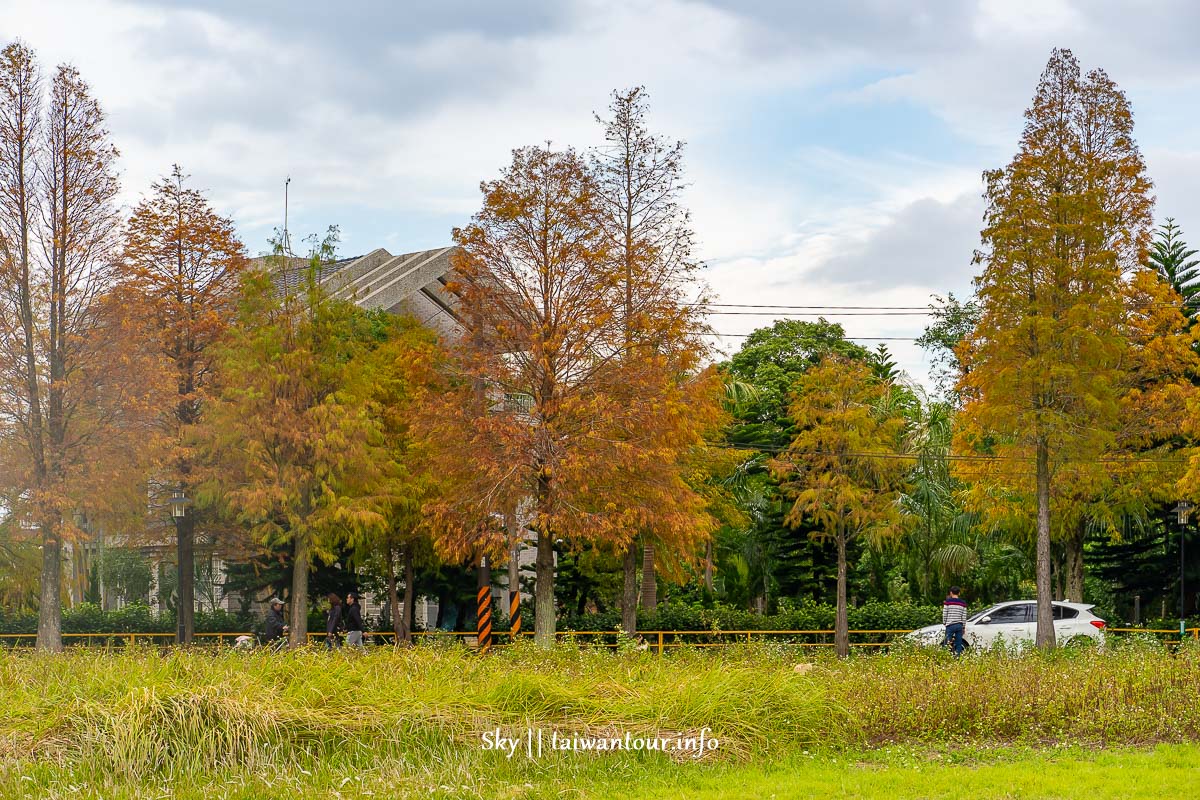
384	115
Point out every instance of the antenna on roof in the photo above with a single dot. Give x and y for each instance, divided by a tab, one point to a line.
287	242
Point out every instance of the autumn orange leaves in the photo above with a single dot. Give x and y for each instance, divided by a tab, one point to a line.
575	279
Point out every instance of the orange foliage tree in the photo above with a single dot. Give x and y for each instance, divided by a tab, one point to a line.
1066	220
75	384
544	406
649	251
292	430
841	468
182	262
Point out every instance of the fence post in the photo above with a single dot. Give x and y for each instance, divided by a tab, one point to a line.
747	637
660	643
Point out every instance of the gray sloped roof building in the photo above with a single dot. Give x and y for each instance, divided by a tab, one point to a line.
410	283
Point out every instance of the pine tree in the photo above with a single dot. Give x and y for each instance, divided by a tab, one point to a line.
1171	256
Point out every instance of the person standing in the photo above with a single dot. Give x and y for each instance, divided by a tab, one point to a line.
954	617
352	617
275	626
333	622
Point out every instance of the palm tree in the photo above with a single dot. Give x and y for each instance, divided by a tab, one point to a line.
936	541
1172	258
942	543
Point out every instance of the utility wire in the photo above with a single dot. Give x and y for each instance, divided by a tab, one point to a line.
852	338
941	457
786	314
925	309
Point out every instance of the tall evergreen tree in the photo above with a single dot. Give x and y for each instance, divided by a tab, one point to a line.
1171	256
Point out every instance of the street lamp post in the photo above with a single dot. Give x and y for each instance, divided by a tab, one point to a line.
1182	510
183	553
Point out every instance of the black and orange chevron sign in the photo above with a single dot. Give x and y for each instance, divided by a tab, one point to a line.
483	627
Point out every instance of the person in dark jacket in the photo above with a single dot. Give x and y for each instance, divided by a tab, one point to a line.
352	618
333	622
275	627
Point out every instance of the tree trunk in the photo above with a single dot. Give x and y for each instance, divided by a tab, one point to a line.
1045	614
299	598
393	597
629	591
649	581
185	535
1074	559
409	592
49	636
543	621
841	625
708	565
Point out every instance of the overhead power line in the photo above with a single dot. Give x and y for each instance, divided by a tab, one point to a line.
783	449
821	313
852	338
924	309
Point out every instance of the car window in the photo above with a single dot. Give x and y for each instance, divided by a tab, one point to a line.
1065	612
980	615
1010	614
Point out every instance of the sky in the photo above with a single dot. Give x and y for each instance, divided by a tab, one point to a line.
834	150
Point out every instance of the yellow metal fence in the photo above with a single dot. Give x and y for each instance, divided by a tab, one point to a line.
657	641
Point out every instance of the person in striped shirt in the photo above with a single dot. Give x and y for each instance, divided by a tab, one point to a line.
954	617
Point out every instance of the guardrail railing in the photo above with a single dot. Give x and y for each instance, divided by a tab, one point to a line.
657	641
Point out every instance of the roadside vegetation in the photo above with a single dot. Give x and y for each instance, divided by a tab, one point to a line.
122	724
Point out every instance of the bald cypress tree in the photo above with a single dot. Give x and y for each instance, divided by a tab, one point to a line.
1067	219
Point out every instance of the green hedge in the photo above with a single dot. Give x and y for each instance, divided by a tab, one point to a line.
89	618
802	616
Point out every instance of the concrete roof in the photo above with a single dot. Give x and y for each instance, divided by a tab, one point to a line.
410	283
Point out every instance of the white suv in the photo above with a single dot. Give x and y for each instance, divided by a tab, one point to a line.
1015	623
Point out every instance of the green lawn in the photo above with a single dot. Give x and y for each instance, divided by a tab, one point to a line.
145	724
1166	771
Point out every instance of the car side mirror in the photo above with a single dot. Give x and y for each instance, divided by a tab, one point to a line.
985	620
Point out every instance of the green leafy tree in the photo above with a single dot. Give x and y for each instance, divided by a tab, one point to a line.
953	321
126	573
296	451
765	558
405	364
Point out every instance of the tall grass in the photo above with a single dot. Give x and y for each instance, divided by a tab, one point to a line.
420	712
